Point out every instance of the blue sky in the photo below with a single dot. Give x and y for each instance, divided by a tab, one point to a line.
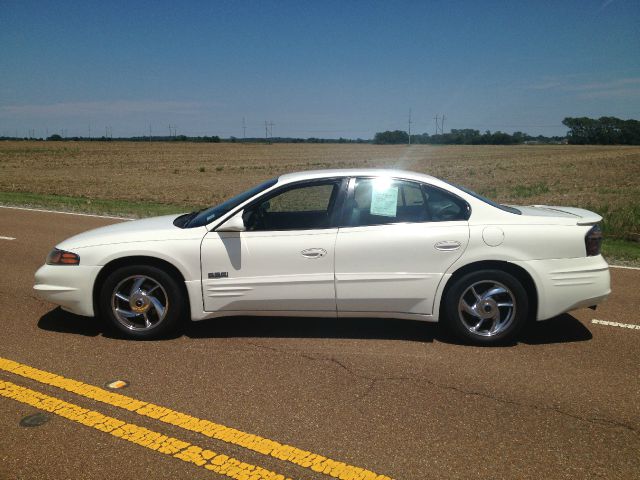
323	68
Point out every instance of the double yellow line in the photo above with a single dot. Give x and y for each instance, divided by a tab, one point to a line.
185	451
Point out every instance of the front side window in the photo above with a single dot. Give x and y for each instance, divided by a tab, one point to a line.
301	207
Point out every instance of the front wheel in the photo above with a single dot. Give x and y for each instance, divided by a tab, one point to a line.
486	307
142	301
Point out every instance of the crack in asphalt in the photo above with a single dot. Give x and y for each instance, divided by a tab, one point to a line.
374	380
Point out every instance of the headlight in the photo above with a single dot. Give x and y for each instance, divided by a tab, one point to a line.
60	257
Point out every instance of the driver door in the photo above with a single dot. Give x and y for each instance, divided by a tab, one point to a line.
283	261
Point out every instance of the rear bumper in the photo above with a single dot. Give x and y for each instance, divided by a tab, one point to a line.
70	286
568	284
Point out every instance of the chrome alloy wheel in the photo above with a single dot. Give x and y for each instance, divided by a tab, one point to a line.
139	302
487	308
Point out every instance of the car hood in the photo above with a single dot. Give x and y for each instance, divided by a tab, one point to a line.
581	216
148	229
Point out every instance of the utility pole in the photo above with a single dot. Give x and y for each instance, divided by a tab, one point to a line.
268	130
244	129
410	127
149	133
436	117
442	125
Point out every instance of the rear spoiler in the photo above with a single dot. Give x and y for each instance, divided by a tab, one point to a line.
584	217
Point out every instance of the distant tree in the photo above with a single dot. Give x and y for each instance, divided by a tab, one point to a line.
602	131
54	138
391	137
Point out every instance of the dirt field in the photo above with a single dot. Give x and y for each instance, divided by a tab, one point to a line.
605	179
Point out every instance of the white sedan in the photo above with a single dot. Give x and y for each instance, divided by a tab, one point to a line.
337	243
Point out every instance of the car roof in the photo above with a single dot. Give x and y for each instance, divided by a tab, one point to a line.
355	172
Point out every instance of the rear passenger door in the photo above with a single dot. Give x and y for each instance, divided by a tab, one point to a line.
397	240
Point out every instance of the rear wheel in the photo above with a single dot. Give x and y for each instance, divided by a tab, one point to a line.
142	301
487	307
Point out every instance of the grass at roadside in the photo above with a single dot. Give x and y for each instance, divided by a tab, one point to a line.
621	252
122	208
616	251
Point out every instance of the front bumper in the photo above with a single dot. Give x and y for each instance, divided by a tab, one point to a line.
568	284
70	286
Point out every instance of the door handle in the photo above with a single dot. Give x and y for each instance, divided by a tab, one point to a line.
313	252
447	245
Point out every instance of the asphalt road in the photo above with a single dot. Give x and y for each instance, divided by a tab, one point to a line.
397	398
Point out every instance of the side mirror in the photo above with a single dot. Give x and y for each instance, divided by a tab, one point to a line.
234	224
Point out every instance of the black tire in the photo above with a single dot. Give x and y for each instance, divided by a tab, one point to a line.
157	289
486	295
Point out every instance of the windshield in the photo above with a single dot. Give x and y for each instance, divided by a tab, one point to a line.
505	208
208	215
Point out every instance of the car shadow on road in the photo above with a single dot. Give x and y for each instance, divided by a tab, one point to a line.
562	329
57	320
309	327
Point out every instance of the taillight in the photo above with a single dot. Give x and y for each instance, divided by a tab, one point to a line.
593	241
60	257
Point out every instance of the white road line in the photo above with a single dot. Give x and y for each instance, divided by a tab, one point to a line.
616	324
64	213
7	238
626	268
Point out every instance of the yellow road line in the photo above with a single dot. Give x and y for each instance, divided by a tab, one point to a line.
182	450
288	453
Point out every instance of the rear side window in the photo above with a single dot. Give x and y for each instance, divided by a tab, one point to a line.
379	201
444	206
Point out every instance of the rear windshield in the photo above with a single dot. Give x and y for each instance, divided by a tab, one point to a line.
505	208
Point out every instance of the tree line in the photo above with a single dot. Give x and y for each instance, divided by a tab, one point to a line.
582	131
465	136
174	138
